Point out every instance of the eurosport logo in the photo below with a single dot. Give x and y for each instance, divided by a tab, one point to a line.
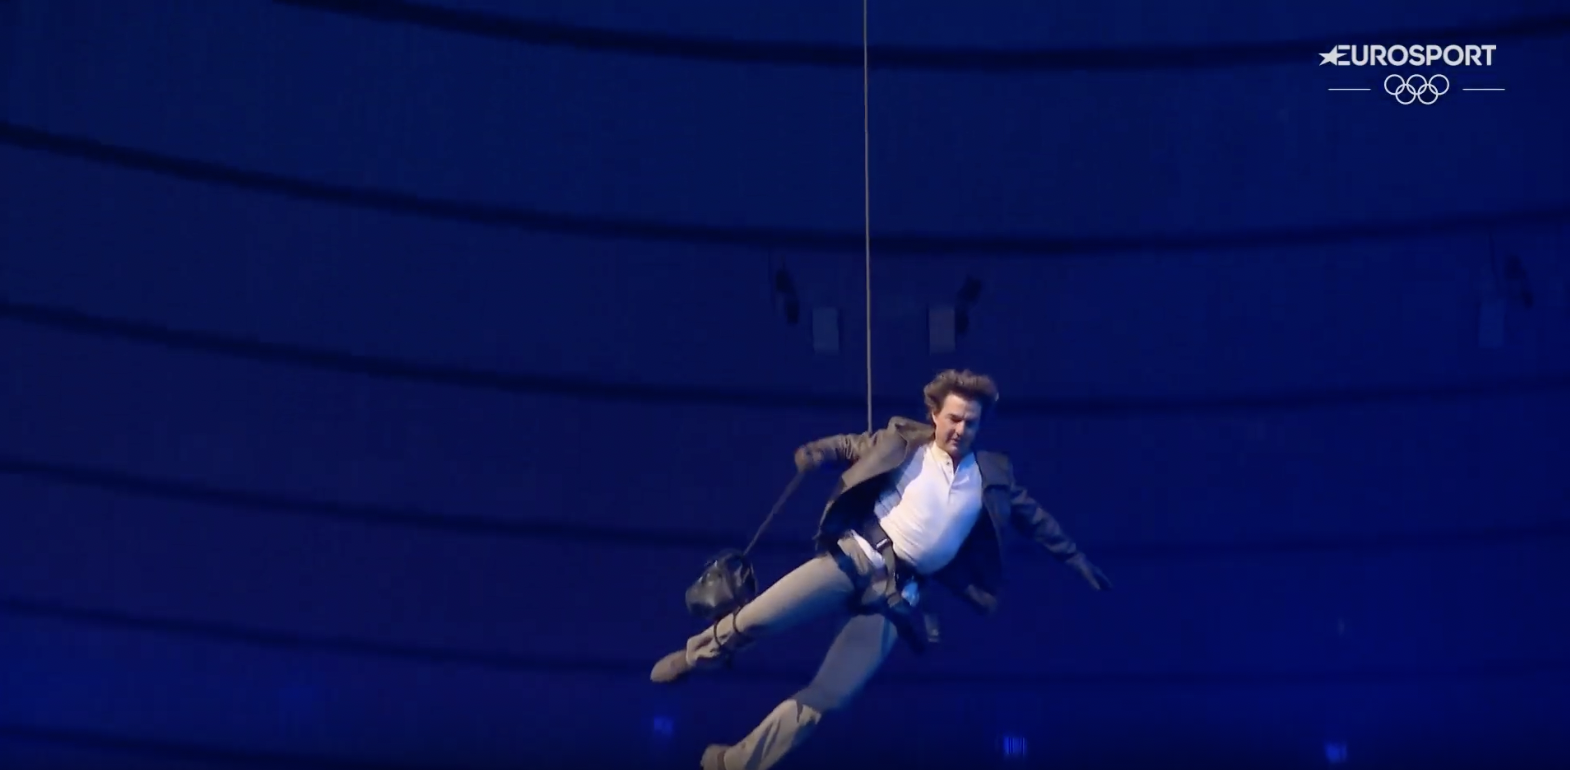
1415	88
1410	55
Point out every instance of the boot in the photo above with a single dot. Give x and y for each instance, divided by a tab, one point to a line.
671	668
713	758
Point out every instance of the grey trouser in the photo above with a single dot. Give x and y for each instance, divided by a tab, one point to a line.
830	583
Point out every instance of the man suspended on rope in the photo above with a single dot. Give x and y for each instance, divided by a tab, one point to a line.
914	506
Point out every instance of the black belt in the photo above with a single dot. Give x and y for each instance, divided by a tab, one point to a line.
918	627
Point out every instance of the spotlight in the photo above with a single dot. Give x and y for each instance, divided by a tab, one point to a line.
1015	747
1335	753
969	292
786	298
947	323
964	299
1516	281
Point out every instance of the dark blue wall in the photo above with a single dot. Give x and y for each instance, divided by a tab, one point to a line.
372	389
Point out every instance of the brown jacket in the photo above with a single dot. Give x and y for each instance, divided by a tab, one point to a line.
976	573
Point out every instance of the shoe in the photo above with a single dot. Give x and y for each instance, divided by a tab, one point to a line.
713	758
671	668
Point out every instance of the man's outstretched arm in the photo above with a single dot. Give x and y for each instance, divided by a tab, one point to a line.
842	450
1033	521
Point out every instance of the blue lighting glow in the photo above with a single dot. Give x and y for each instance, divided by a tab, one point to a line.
1335	753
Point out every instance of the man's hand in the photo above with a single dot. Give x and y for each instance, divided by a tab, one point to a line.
808	459
1093	574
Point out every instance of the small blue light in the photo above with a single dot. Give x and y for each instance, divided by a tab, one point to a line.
1335	753
664	727
1014	747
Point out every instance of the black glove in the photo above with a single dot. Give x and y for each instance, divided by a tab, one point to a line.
808	459
1093	574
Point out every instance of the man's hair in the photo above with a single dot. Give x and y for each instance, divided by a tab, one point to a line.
963	383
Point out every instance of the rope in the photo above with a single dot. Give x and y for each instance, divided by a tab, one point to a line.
866	198
790	489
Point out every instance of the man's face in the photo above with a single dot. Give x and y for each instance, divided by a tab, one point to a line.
956	422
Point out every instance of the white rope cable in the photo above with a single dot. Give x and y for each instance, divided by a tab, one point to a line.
866	198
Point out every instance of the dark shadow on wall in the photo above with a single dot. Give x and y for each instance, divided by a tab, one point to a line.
180	754
272	504
74	321
803	240
637	669
1218	55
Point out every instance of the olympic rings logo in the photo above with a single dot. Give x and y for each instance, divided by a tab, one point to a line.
1416	88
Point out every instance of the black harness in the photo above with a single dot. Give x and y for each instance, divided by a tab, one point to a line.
917	627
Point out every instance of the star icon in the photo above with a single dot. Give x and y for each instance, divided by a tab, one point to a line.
1334	57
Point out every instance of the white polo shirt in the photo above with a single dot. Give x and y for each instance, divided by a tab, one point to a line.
928	509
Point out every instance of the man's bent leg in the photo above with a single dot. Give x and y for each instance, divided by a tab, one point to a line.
827	583
857	653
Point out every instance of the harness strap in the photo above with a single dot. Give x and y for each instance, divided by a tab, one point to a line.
917	627
737	642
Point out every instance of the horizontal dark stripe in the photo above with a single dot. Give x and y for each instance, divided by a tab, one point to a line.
182	751
75	322
639	669
174	490
758	239
322	359
1216	55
